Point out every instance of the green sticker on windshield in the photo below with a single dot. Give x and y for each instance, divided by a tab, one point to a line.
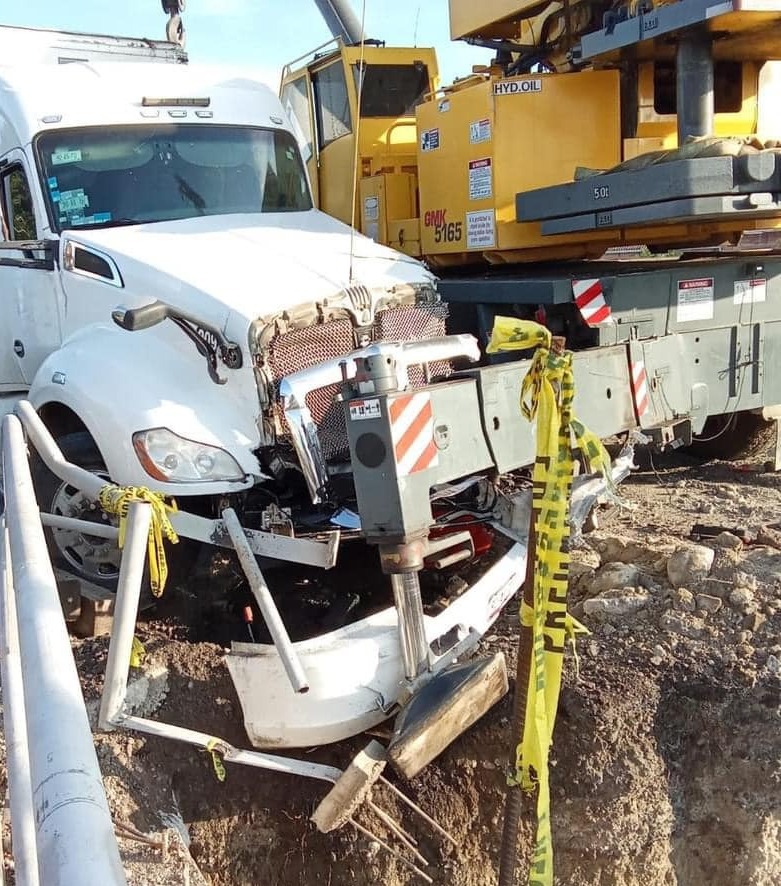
61	157
73	201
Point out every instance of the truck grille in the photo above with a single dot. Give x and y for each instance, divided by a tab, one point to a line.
302	348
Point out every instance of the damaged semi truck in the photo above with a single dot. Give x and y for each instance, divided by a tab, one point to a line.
182	318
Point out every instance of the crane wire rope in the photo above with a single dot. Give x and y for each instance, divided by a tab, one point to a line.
356	155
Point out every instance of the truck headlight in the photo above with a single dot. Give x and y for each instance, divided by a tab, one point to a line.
173	459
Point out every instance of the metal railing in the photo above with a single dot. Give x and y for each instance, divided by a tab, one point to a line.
61	825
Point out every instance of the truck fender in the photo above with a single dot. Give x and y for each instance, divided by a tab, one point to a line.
118	383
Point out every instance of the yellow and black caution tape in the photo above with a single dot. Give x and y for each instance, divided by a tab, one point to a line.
116	500
547	394
137	653
219	767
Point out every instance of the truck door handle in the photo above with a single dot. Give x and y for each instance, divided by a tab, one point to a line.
18	348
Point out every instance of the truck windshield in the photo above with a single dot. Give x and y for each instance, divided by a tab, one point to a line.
160	172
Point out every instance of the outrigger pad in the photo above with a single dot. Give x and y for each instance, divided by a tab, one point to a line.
353	787
443	709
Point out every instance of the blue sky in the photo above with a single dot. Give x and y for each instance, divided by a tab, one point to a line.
260	34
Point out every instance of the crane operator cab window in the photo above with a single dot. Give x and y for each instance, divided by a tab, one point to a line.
392	90
332	101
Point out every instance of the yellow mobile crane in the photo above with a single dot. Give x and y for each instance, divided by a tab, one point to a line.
614	173
574	88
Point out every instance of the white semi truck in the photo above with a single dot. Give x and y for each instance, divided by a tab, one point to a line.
181	317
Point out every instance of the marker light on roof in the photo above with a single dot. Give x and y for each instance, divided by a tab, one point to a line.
148	102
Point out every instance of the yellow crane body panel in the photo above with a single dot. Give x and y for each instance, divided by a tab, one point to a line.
480	145
489	18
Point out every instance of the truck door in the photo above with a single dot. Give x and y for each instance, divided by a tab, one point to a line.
29	315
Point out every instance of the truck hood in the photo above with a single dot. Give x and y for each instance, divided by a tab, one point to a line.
251	265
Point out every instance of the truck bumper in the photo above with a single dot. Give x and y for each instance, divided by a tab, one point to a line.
355	674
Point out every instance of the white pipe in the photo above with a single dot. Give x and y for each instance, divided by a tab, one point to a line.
265	601
99	530
15	727
131	576
47	448
286	765
74	832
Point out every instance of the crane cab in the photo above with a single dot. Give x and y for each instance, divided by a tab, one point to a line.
362	155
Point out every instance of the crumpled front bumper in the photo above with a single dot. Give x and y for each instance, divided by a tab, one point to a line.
356	674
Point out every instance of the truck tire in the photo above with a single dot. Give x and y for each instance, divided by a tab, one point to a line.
95	560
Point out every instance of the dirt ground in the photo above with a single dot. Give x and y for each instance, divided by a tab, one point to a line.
666	762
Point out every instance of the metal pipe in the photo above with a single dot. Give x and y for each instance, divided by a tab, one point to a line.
74	833
206	742
131	575
268	608
47	448
99	530
412	626
694	85
341	20
15	727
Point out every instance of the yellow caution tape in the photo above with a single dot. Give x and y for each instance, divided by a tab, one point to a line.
546	394
116	500
137	653
219	766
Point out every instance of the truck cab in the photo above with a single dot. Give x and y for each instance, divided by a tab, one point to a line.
162	268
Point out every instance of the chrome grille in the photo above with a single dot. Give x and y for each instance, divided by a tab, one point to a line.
413	323
302	348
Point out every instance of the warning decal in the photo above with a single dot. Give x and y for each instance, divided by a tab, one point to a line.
747	292
480	179
480	131
481	229
429	140
695	300
360	410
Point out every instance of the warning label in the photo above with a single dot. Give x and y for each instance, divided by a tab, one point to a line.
695	300
429	140
480	179
481	229
371	208
748	292
480	131
360	410
517	87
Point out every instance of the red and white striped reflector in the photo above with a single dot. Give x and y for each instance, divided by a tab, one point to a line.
412	432
640	388
591	303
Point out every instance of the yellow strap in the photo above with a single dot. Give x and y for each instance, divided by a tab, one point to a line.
219	767
547	393
116	500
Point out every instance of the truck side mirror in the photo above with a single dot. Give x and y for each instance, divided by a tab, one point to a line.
134	319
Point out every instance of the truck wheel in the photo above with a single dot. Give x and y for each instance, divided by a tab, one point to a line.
94	559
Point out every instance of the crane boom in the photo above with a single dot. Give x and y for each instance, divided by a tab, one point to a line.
341	20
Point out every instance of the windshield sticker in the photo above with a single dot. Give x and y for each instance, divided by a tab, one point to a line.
53	185
60	158
56	196
73	201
